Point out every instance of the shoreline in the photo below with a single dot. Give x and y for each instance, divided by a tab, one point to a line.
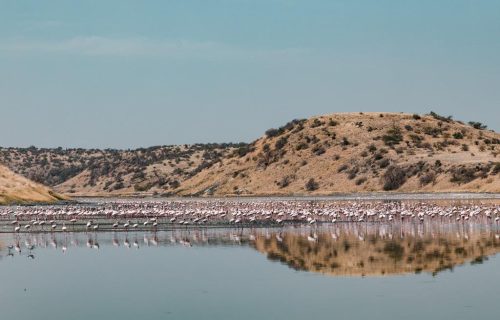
332	197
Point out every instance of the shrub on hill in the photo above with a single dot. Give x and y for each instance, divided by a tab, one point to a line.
462	175
478	125
393	136
393	178
427	178
441	118
312	185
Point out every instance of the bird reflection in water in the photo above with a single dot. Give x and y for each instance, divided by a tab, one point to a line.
347	249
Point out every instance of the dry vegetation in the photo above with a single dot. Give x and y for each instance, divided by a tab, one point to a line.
17	189
359	152
93	172
337	153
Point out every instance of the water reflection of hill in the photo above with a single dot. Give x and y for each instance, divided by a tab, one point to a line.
355	252
341	250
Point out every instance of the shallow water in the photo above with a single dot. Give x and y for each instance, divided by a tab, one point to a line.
348	271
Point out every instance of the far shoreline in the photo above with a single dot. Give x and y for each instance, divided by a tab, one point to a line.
305	197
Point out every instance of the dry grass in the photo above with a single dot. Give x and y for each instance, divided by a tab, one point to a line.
17	189
363	145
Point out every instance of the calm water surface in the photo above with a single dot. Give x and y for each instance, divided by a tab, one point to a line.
330	272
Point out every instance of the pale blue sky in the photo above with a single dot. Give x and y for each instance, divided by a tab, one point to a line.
139	73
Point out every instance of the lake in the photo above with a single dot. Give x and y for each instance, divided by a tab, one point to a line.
342	271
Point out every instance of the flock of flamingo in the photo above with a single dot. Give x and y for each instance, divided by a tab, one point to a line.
127	215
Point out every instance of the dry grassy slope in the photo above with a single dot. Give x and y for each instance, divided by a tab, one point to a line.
17	189
159	177
93	172
346	152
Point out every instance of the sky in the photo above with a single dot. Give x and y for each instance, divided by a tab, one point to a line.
127	74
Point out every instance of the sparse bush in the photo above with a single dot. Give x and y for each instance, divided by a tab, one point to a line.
441	118
332	123
462	175
393	136
393	178
384	163
360	181
285	181
119	185
270	133
316	123
378	156
496	169
416	117
342	168
372	148
174	184
434	132
302	146
140	187
318	150
465	147
281	142
243	150
345	141
427	178
352	173
312	185
477	125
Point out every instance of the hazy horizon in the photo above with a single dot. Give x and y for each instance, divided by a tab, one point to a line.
127	74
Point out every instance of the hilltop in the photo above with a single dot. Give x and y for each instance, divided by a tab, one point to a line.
359	152
17	189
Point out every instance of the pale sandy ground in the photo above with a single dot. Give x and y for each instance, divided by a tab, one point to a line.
17	189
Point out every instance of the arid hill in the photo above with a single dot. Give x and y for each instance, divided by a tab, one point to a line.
337	153
17	189
359	152
109	172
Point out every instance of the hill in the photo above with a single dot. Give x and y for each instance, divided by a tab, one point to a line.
336	153
359	152
17	189
110	172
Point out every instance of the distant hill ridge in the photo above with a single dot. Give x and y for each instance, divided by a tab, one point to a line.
342	152
95	172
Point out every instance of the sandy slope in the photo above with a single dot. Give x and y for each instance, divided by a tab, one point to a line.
17	189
